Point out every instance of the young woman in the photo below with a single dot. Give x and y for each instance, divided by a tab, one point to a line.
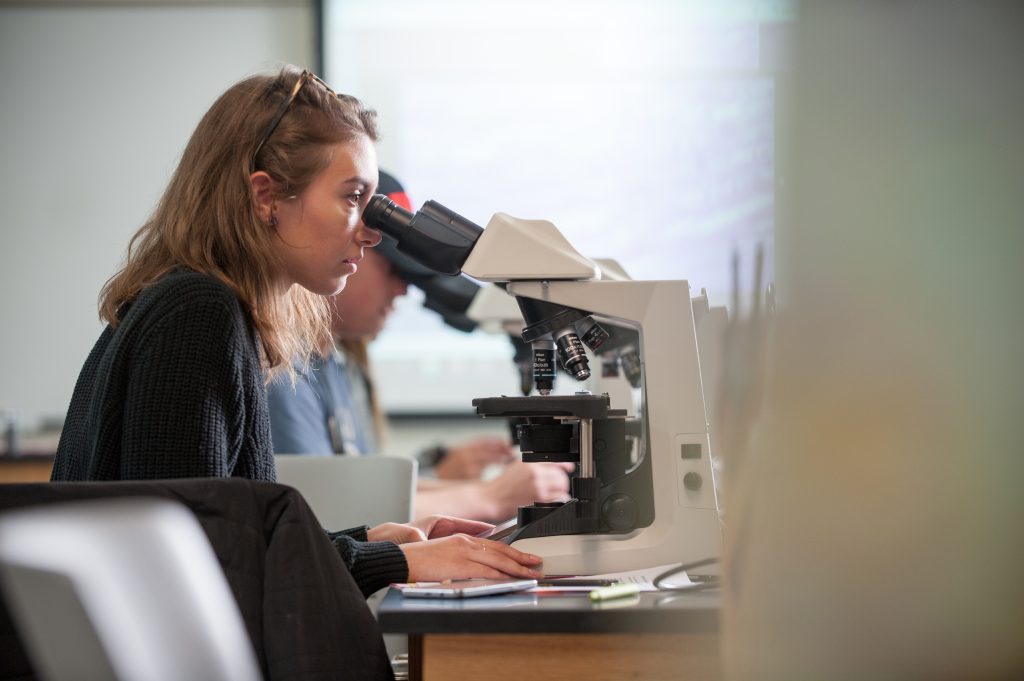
221	288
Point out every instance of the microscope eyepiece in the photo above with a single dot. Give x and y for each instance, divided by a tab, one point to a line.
434	236
384	214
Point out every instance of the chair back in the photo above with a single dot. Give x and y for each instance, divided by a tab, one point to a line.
121	589
347	491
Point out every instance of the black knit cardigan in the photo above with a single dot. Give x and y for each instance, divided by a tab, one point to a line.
177	391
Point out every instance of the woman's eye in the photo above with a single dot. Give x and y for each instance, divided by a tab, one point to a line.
355	198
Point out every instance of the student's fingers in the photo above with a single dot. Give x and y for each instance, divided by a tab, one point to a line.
495	450
463	557
557	476
395	532
506	559
468	461
488	450
442	525
502	452
493	444
505	551
404	535
551	482
465	526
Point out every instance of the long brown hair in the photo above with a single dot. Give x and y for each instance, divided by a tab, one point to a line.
358	350
207	221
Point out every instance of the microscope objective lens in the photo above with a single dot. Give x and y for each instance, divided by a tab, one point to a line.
544	366
595	336
573	356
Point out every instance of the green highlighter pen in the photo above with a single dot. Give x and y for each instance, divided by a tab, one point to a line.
614	591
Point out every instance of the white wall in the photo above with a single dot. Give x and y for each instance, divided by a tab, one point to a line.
644	130
98	101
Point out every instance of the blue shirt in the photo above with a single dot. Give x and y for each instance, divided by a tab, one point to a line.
328	411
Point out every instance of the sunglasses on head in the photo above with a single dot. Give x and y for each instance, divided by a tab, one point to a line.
303	78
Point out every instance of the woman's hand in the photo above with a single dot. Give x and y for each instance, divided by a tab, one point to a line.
460	556
468	460
429	527
522	484
436	526
396	532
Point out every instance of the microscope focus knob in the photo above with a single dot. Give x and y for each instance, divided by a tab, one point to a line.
692	481
620	512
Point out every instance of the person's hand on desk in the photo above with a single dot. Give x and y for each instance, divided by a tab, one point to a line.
468	460
437	526
422	529
460	556
521	484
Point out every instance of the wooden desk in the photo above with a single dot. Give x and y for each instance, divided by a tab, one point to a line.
658	636
29	468
32	461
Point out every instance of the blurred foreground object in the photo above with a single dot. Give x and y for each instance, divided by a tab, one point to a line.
877	506
121	589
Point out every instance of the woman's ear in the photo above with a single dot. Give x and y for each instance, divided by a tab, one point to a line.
264	194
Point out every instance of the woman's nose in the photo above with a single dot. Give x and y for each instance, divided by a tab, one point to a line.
369	237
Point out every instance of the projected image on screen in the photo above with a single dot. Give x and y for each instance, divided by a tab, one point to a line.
644	131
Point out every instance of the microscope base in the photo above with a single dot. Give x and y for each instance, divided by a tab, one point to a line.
694	536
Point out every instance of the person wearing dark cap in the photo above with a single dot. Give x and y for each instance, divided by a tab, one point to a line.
333	409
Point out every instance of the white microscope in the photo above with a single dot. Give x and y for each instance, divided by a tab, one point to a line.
645	493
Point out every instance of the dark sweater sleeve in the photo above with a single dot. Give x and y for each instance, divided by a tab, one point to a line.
373	564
